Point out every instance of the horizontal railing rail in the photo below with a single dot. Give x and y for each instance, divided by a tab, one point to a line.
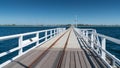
23	43
97	42
109	38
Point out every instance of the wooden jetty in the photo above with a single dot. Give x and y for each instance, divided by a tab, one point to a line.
68	49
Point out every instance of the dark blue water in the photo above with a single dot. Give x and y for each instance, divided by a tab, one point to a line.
113	32
4	31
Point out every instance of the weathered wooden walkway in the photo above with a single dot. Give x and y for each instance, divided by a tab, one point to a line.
62	51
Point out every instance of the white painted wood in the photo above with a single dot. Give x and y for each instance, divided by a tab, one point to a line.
20	44
37	38
51	33
46	35
86	34
103	47
92	40
109	38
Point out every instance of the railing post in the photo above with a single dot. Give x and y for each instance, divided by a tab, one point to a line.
98	49
57	30
86	34
54	32
20	45
46	35
83	33
92	40
37	35
103	42
50	33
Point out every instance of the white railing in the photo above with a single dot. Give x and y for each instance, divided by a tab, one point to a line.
97	42
23	43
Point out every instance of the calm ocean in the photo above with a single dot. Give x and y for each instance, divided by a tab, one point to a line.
4	31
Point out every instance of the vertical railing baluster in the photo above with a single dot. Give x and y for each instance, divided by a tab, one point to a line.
58	30
45	35
37	35
83	33
86	34
50	33
97	50
103	42
20	45
92	40
54	32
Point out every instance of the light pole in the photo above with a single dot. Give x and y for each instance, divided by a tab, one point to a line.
76	21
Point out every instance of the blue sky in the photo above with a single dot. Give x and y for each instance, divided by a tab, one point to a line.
59	11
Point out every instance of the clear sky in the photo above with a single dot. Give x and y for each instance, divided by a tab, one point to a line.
59	11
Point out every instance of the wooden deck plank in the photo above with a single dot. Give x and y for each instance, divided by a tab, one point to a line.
26	61
87	63
72	60
64	60
50	62
77	62
67	60
17	61
44	60
73	42
62	41
81	59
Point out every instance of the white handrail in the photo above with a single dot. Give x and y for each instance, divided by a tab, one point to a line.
109	38
24	43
